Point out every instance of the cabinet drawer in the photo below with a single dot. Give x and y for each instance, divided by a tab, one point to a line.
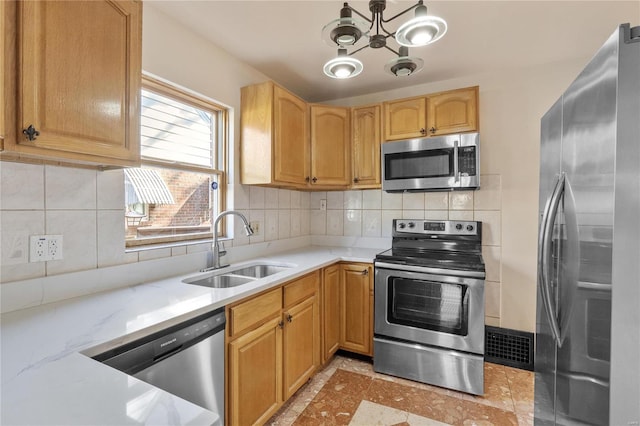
301	288
247	314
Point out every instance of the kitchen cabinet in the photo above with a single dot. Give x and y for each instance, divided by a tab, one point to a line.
273	348
365	146
405	118
6	29
80	107
330	311
274	137
453	111
356	283
330	146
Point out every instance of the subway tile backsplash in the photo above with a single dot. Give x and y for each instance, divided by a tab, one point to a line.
87	208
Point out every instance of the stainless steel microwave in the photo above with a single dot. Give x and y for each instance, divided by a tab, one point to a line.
444	163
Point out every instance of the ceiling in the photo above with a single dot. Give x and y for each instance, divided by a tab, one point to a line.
282	39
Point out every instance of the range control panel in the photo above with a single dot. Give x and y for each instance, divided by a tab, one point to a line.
440	227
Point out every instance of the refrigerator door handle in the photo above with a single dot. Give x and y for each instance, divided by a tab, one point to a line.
544	254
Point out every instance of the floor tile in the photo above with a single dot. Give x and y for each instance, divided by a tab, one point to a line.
348	392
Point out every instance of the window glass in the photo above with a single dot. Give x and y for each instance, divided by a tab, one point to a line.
176	192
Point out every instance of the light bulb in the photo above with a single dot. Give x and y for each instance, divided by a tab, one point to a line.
343	70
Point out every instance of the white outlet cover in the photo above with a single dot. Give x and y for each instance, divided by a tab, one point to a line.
55	247
38	248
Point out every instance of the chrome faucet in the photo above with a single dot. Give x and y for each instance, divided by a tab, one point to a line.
216	249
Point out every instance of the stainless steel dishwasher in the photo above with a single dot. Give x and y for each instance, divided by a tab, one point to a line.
186	360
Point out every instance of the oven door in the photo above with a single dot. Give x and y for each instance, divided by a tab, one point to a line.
430	307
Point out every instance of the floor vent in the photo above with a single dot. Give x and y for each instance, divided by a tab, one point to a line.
508	347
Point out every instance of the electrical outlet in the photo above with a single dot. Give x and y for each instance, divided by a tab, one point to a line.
38	248
55	247
323	204
255	225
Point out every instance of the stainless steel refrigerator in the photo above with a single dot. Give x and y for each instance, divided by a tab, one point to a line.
587	363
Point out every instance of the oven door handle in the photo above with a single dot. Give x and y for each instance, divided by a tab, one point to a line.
544	255
425	270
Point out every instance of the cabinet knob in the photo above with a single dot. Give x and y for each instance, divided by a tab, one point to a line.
365	272
289	318
307	179
314	180
432	130
30	132
356	180
423	131
281	324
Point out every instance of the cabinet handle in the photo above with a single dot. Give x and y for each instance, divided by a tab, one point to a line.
423	131
356	180
365	272
289	318
432	130
314	180
307	179
281	324
31	133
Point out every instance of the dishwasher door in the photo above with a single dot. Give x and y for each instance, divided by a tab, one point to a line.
195	374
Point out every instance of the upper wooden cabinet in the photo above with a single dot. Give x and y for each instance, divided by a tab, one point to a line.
365	146
405	118
77	81
330	146
274	147
454	111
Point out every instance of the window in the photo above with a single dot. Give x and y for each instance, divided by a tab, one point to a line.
179	188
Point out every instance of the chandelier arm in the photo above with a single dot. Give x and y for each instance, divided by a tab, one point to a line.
389	34
420	2
361	15
388	48
357	50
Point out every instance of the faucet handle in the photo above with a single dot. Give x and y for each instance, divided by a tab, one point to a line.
221	249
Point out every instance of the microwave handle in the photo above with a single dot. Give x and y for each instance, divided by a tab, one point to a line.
456	171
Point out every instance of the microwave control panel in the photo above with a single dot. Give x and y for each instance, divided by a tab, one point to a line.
467	161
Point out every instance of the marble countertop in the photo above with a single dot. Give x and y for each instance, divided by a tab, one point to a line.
47	380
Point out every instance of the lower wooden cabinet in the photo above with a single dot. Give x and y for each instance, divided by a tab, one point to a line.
273	349
255	375
356	333
330	311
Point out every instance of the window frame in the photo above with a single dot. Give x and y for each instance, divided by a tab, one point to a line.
181	94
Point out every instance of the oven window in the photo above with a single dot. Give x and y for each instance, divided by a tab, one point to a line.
428	305
421	164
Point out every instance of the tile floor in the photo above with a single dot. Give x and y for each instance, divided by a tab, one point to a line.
348	392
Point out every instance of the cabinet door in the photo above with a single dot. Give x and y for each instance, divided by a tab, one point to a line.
79	69
366	146
255	372
330	146
355	313
301	346
404	118
453	111
330	311
290	144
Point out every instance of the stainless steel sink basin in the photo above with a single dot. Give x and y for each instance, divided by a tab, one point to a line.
227	277
259	271
220	281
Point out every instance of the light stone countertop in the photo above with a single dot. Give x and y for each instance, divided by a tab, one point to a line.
47	381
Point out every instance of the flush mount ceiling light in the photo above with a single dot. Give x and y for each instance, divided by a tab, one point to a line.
346	31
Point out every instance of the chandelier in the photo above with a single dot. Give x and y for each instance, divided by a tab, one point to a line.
345	32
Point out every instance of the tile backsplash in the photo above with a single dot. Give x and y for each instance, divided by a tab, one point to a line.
87	208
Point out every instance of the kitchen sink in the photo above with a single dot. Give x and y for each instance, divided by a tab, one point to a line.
226	278
259	271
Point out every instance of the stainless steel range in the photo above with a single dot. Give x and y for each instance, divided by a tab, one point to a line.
429	304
